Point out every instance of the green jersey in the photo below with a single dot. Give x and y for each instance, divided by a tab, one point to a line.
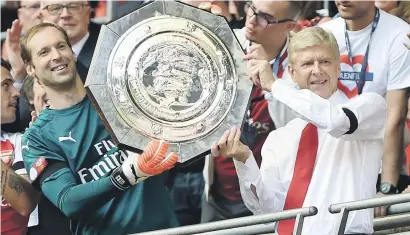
77	138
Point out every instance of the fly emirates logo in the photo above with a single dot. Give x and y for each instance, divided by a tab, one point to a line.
108	161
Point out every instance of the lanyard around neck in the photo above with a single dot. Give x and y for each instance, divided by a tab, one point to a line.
276	64
362	74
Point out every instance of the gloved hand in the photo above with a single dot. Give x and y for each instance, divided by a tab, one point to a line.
136	168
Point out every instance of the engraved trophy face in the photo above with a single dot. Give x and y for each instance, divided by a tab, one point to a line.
169	71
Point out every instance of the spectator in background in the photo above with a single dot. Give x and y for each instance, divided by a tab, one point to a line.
35	95
310	17
369	32
386	6
402	11
74	17
28	13
223	8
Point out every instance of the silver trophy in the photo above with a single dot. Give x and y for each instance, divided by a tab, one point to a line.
169	71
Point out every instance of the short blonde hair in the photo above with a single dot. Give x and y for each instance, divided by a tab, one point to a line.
313	36
25	51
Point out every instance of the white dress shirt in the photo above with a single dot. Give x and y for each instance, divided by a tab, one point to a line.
346	166
80	44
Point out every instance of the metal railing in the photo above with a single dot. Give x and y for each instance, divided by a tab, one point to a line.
390	222
262	224
345	208
226	225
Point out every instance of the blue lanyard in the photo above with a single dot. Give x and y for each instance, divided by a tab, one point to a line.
275	66
362	74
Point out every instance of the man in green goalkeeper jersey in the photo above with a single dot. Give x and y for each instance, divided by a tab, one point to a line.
70	158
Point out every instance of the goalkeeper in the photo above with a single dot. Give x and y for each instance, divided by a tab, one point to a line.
70	158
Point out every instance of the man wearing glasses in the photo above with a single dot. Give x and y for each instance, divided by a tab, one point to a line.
29	14
74	18
265	36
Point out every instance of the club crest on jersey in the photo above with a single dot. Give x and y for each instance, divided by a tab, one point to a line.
38	166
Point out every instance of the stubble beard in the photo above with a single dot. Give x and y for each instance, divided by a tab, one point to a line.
68	84
356	15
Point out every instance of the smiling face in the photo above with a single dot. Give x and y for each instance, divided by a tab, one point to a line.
314	61
52	60
9	96
316	69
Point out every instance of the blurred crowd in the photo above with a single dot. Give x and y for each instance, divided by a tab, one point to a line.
61	171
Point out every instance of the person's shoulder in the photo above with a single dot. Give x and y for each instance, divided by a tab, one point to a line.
37	126
388	20
36	133
371	98
389	33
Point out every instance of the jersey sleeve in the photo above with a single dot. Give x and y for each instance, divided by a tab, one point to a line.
18	164
73	199
37	151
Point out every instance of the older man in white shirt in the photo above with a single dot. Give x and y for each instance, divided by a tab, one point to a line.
330	154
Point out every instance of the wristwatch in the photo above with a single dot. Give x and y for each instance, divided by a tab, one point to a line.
387	188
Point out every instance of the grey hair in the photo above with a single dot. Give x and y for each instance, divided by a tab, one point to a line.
309	37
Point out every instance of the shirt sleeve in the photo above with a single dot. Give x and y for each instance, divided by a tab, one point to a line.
34	147
261	189
399	63
57	182
279	112
73	199
369	109
18	164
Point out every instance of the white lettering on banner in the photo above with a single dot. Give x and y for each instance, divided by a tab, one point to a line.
355	76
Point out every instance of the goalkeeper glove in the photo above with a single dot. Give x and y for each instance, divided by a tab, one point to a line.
136	168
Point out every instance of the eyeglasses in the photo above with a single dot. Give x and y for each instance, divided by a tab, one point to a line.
56	9
32	8
261	19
